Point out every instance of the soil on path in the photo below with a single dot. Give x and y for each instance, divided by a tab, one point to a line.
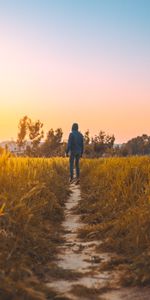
82	262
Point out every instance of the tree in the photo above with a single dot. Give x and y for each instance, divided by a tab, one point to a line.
23	127
87	137
87	145
36	133
139	145
31	131
52	145
102	142
2	150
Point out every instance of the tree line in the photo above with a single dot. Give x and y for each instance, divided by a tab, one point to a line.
32	142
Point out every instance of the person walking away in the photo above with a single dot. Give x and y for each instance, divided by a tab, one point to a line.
75	150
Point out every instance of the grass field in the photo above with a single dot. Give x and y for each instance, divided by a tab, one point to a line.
32	195
116	208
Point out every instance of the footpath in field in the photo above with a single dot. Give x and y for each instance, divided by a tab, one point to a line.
82	262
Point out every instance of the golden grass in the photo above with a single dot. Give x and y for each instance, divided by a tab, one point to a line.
116	208
32	195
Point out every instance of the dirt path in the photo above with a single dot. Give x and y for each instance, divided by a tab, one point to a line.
80	260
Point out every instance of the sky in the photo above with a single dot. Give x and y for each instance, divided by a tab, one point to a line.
85	61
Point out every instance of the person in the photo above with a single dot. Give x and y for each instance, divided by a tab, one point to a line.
75	150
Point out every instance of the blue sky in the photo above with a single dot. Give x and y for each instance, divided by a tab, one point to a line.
85	56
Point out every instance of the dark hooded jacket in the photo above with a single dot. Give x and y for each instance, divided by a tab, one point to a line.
75	141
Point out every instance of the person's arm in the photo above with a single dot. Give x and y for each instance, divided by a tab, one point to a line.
69	144
82	145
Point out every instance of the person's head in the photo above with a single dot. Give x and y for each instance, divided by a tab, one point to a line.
75	127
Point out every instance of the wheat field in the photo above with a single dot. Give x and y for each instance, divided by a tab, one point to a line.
32	196
115	207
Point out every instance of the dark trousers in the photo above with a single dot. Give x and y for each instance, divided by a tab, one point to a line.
74	158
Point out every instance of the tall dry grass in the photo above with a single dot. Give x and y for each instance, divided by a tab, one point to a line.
32	195
116	208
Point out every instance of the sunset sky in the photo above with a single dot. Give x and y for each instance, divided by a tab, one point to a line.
85	61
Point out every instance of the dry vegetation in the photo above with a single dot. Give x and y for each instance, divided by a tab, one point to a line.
32	195
116	208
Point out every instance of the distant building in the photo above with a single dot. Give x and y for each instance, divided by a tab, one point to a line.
13	147
117	145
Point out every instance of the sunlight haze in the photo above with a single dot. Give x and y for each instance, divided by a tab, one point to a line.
75	61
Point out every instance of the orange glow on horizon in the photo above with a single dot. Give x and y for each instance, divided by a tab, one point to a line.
96	78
